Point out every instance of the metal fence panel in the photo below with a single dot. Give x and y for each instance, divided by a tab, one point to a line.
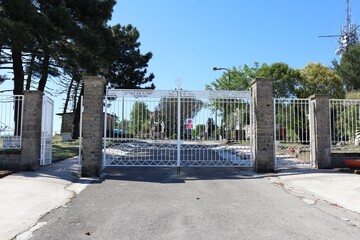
46	131
177	128
345	124
11	112
292	132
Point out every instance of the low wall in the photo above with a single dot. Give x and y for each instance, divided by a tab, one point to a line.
337	158
10	160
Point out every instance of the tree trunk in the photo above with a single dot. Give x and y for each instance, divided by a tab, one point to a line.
18	87
18	71
30	72
44	72
76	122
75	93
68	96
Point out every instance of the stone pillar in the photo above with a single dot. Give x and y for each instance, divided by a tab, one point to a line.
93	126
320	131
263	125
31	130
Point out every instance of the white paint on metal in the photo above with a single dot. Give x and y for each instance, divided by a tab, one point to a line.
11	112
178	126
345	124
149	128
80	131
292	132
46	130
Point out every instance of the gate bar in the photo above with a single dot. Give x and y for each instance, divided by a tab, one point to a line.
178	127
105	127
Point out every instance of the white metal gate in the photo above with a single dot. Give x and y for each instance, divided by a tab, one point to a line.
46	131
177	128
292	132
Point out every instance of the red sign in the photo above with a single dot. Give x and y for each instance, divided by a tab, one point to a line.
189	123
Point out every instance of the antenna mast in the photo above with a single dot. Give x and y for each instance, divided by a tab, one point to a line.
348	36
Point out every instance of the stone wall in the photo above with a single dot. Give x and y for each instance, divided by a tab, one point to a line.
337	158
10	160
67	122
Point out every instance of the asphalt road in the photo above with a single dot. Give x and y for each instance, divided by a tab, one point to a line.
199	203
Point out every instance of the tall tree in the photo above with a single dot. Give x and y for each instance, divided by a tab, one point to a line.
168	113
16	20
285	79
316	78
349	68
139	119
128	70
235	78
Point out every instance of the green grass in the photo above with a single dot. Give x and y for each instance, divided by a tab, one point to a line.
64	150
353	95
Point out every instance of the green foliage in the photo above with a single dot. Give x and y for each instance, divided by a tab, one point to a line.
349	68
346	120
128	70
285	79
292	121
353	95
167	113
200	130
319	79
210	124
235	79
139	119
41	39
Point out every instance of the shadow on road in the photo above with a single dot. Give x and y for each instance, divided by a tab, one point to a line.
170	175
70	171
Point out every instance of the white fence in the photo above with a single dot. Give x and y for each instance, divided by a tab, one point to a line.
292	132
11	111
345	124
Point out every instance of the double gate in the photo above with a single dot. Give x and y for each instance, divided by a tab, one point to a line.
177	128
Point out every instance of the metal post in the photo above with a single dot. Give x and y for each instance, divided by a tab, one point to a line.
178	82
122	118
178	128
80	129
105	127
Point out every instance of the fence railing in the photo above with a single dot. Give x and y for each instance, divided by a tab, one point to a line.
345	124
11	111
292	132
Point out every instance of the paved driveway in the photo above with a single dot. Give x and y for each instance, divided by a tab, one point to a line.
199	203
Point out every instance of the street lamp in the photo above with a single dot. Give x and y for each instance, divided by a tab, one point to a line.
228	70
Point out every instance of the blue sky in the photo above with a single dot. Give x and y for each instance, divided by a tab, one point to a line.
188	38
